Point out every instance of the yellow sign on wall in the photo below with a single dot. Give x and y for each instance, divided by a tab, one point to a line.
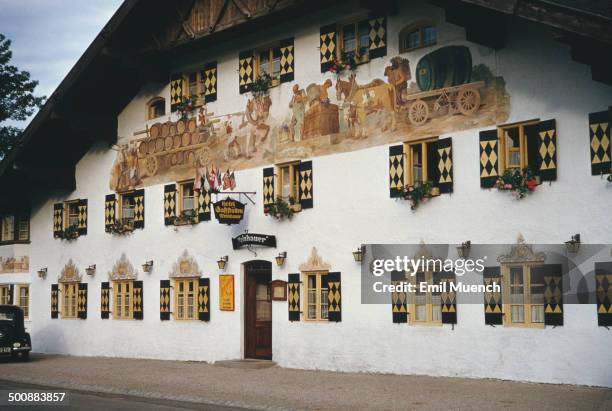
226	292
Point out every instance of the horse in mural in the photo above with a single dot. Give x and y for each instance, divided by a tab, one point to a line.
249	126
371	104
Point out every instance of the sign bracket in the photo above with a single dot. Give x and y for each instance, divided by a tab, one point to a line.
247	194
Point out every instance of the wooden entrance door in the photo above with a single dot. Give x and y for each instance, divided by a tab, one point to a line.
258	310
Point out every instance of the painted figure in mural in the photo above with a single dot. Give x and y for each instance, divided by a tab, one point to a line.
232	137
298	108
257	113
398	75
317	93
125	173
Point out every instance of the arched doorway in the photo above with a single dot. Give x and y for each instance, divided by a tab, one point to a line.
258	310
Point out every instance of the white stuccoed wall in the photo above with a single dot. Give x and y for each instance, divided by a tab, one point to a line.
352	206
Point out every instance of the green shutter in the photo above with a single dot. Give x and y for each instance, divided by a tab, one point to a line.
599	140
489	158
82	301
246	71
305	186
139	208
327	46
287	61
110	212
105	300
293	286
137	300
396	171
58	220
204	299
334	296
399	299
493	300
164	300
54	300
170	204
603	290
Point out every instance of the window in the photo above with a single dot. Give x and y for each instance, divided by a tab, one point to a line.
72	214
288	180
156	108
23	299
24	229
316	300
268	61
127	207
14	228
122	309
69	300
195	86
513	146
523	295
4	294
355	39
185	299
8	228
417	36
420	162
187	198
426	307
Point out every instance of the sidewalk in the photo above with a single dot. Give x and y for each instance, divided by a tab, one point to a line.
259	385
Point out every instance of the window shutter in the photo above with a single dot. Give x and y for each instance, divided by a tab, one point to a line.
334	297
396	171
378	37
287	61
534	160
110	213
493	300
599	138
54	300
553	292
433	173
164	300
445	165
305	187
139	208
137	300
293	284
603	290
210	82
82	227
105	301
204	204
11	294
82	301
268	186
489	160
204	299
327	46
58	220
399	299
547	150
246	71
169	204
176	91
448	299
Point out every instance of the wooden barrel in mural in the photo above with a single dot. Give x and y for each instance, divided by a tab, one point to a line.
155	130
168	143
181	125
177	141
445	67
159	145
165	130
191	125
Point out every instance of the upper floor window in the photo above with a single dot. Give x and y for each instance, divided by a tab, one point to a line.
156	108
267	61
72	215
355	39
288	177
8	228
70	219
513	143
417	36
187	196
422	161
127	207
14	228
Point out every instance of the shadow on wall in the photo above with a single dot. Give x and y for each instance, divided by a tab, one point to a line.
52	338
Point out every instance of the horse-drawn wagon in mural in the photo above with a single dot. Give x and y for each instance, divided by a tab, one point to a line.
443	78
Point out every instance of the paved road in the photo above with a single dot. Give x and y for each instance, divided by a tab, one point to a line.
80	400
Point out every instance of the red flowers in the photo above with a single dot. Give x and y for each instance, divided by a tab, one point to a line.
266	210
532	184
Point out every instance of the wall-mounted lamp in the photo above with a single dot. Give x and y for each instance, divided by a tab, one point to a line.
573	245
463	251
42	273
148	266
222	261
358	254
280	258
91	270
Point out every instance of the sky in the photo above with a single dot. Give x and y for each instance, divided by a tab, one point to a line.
49	36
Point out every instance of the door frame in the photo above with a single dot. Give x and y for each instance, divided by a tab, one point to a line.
245	268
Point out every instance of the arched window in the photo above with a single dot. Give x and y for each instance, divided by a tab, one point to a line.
417	35
156	107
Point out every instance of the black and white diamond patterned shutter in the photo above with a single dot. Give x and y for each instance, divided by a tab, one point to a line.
82	301
139	208
603	291
306	184
600	141
293	288
169	204
547	150
105	300
54	300
268	186
164	300
110	212
378	37
448	299
11	294
82	225
399	299
493	300
445	165
396	171
246	71
204	205
209	78
204	299
327	46
334	297
137	300
176	91
551	274
287	61
58	220
489	158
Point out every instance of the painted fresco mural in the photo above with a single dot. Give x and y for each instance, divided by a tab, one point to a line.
338	115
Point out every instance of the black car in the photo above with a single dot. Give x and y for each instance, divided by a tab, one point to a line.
14	341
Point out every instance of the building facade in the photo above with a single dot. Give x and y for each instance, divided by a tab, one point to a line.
363	109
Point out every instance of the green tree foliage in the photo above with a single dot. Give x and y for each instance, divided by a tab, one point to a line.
17	101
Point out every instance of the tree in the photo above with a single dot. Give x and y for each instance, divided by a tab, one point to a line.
17	101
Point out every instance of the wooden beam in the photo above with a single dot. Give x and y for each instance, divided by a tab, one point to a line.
243	8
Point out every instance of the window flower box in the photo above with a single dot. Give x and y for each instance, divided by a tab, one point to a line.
281	209
71	233
420	192
519	182
187	217
123	226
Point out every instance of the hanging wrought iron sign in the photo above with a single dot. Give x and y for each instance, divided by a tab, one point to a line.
229	211
250	239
